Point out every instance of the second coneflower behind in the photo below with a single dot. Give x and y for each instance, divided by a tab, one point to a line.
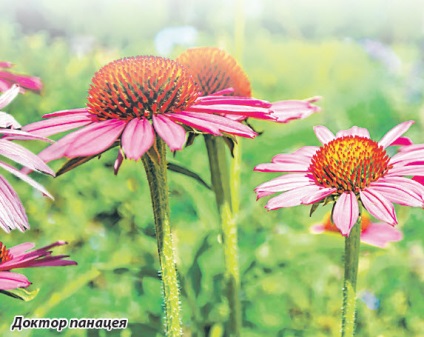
222	81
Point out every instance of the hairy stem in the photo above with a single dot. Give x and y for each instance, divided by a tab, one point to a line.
352	243
156	171
221	187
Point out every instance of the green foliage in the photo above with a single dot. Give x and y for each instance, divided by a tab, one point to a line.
291	280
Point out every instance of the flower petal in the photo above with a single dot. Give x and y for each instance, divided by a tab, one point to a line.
213	124
137	138
346	212
285	111
95	138
9	95
25	178
281	167
395	133
323	134
380	234
401	141
22	156
12	213
378	205
291	198
173	134
8	121
59	124
398	194
9	280
283	183
354	131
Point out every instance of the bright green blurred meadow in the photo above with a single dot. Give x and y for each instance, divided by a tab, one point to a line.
366	59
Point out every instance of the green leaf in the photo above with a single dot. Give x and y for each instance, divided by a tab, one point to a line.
180	169
21	294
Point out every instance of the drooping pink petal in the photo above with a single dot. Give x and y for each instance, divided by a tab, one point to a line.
20	249
401	141
118	162
27	82
291	159
12	212
25	178
398	194
395	133
281	167
11	134
95	138
282	184
8	121
285	111
57	125
323	134
213	124
354	131
137	138
9	95
76	111
380	234
291	198
399	170
419	179
405	183
346	212
307	151
231	100
378	205
410	157
173	134
21	155
318	195
9	280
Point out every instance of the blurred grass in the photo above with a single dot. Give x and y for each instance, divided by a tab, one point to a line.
291	280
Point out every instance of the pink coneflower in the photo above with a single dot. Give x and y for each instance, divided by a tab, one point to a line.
7	79
19	257
348	168
135	99
12	213
217	72
375	234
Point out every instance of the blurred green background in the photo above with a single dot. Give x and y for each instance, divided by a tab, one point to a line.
366	60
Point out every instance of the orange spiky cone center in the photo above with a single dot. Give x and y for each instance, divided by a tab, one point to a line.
140	86
4	253
349	163
215	70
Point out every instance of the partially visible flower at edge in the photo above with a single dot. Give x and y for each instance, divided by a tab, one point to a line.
375	234
217	73
135	99
20	257
7	79
12	213
349	168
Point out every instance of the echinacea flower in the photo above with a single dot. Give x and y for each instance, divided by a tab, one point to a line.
135	99
375	234
7	79
20	257
218	73
348	168
12	213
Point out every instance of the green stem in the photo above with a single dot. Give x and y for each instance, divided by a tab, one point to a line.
221	187
155	167
352	243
